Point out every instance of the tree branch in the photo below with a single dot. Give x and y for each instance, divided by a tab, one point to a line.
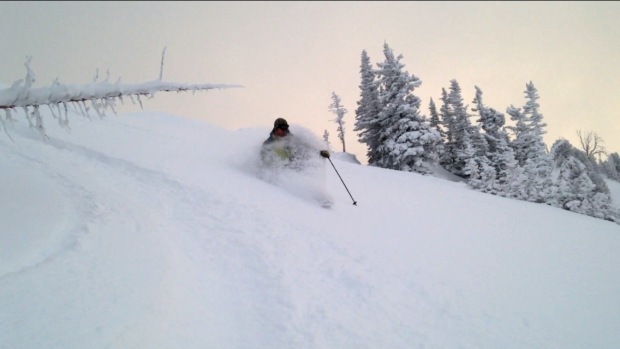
101	95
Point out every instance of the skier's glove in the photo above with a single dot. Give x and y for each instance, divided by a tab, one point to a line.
324	153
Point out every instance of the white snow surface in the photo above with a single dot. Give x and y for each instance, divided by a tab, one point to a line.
148	230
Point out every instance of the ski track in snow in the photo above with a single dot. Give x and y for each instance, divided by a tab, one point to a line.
312	287
140	302
211	240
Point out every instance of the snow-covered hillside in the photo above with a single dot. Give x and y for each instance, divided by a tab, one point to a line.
152	231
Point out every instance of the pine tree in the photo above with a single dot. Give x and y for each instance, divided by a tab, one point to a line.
447	158
615	159
576	191
435	122
519	129
491	120
461	131
407	141
529	147
367	111
611	166
340	111
609	170
326	137
562	150
537	126
500	156
511	176
529	128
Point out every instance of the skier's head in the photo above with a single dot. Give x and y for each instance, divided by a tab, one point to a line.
280	123
280	127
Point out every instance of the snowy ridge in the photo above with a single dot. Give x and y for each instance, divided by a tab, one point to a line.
153	231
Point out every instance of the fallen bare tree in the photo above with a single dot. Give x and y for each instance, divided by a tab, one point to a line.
100	96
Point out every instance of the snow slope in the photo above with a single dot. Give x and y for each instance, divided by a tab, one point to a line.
148	230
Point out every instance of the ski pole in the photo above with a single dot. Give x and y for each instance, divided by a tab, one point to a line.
345	186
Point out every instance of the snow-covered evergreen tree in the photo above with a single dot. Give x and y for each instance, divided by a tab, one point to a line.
435	122
337	108
434	119
609	170
529	146
407	141
575	189
367	112
479	171
447	157
611	166
509	176
563	149
529	129
499	155
492	121
326	137
461	131
518	130
615	159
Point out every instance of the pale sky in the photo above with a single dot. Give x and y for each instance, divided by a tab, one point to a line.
291	56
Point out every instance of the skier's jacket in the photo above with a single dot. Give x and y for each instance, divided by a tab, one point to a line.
282	149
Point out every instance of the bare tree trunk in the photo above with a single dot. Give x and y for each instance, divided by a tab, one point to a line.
591	143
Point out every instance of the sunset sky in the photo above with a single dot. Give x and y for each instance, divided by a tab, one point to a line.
291	56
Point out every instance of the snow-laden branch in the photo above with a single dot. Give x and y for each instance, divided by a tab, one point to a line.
101	96
23	96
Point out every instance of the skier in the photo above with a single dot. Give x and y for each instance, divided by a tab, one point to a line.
283	147
283	150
